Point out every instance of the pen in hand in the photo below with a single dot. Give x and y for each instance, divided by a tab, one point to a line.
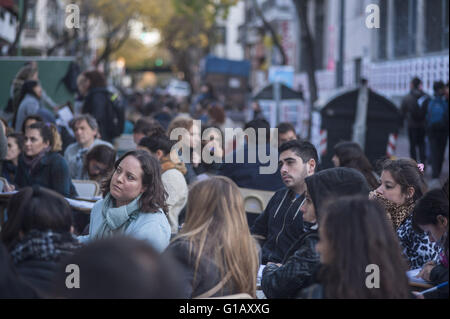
434	288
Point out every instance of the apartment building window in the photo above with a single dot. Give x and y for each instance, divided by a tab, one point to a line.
405	23
436	25
221	35
30	20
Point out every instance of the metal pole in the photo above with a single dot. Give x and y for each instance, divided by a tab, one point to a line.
19	46
277	96
340	65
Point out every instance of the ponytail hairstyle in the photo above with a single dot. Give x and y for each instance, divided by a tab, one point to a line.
57	141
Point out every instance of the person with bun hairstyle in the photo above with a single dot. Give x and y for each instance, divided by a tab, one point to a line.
402	185
40	164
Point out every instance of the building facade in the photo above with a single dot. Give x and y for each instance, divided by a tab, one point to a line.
44	25
228	31
8	24
412	40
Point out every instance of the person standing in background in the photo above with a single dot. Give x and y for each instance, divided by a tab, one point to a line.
414	110
437	128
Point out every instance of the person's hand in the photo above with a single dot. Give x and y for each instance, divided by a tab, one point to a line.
372	195
271	263
8	188
418	295
3	128
426	270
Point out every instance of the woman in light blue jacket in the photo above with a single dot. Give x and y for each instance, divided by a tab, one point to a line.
134	203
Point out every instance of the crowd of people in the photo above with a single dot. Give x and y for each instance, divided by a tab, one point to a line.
427	120
180	228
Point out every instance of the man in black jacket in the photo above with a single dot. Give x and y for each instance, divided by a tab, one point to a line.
280	225
302	260
414	109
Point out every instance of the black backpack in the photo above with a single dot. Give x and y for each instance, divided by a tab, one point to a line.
419	110
116	116
70	79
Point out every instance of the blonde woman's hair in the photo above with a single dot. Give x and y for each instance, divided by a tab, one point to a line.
216	226
57	140
180	122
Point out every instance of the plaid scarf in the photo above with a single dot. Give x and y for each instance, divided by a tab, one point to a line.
44	245
396	213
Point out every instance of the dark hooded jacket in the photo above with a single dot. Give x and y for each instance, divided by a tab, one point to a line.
408	106
97	103
301	261
11	285
280	225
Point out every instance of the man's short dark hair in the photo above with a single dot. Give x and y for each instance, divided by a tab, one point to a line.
147	126
259	123
303	149
155	143
285	127
416	82
438	86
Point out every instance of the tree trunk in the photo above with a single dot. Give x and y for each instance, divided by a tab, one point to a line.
272	32
13	48
111	47
65	39
308	49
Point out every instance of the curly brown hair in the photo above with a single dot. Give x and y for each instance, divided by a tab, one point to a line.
154	196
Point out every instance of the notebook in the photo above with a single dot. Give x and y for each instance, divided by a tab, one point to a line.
259	276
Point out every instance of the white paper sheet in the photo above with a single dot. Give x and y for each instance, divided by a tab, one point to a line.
65	114
259	276
412	276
